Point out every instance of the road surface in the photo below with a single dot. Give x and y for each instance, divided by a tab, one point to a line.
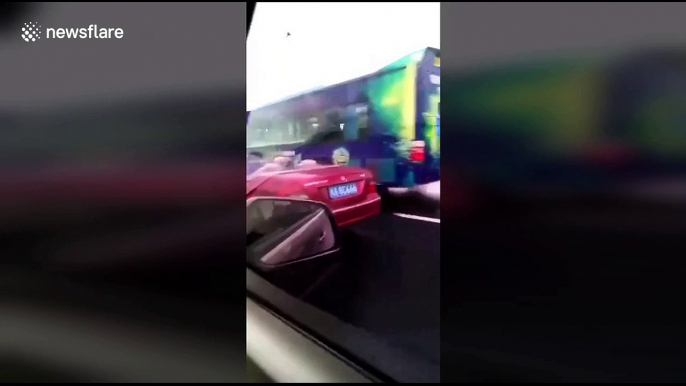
388	279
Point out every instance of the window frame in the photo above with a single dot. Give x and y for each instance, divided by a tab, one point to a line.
382	361
375	358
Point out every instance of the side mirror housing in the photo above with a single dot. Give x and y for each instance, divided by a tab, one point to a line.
285	231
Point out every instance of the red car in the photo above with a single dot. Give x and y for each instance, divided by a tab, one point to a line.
349	191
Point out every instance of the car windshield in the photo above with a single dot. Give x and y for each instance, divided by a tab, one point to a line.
335	86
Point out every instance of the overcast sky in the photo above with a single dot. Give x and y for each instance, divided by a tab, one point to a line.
330	43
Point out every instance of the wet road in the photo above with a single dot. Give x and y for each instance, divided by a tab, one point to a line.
388	280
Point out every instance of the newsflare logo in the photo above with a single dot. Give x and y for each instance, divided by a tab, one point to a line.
32	32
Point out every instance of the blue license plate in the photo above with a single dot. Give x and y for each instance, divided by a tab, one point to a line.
340	191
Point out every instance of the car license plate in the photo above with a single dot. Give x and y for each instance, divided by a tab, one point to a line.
340	191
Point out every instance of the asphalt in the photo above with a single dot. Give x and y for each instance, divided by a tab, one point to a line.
584	287
387	280
412	203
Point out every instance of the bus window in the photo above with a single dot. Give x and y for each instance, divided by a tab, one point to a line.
317	138
326	137
333	136
335	120
311	127
356	125
362	112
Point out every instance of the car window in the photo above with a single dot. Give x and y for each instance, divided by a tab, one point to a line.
326	137
266	217
346	95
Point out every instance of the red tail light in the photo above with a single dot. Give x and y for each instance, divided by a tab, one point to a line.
371	187
417	154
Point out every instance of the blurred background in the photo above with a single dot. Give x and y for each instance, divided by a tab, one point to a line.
115	165
568	150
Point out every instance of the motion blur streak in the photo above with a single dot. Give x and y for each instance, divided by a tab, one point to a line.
121	253
568	145
595	126
37	341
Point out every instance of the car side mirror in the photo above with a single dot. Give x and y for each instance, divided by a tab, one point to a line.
283	231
